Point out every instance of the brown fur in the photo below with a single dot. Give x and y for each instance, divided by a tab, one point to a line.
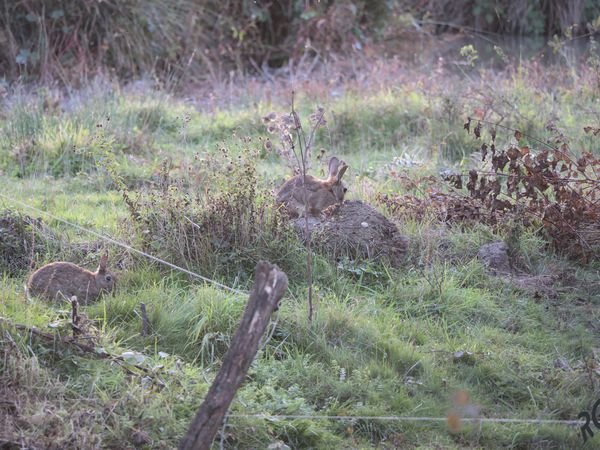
320	194
59	280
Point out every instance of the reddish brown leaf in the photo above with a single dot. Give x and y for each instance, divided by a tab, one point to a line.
593	130
513	153
499	161
467	125
477	130
454	422
528	161
472	181
495	187
455	179
500	205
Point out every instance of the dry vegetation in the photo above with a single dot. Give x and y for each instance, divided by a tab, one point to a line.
490	174
548	188
74	41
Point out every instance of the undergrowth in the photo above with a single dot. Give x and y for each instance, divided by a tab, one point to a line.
222	224
198	39
193	184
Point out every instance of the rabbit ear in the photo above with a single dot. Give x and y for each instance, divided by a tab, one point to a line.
341	170
103	262
334	164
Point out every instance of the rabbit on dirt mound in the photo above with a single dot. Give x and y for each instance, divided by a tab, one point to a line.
60	280
320	194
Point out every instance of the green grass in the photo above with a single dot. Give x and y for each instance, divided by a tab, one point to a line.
382	339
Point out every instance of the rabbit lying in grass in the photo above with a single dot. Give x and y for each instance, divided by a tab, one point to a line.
64	279
320	194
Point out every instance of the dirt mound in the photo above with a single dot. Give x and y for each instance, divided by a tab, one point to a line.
495	257
356	230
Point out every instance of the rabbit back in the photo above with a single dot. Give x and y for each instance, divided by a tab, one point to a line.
319	195
60	280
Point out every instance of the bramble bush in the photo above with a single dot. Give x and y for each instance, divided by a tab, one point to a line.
48	40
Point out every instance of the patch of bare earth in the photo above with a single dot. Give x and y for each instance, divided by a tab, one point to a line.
495	257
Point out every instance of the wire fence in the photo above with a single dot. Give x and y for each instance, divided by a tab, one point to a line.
115	242
407	419
123	245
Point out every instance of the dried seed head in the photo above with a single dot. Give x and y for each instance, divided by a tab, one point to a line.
269	117
287	119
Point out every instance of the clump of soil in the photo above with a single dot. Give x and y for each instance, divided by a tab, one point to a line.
357	231
495	257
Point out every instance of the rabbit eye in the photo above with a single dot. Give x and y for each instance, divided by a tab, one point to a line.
108	278
345	190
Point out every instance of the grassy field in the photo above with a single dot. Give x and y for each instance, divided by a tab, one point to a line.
383	339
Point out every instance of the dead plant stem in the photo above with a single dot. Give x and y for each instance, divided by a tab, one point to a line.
309	263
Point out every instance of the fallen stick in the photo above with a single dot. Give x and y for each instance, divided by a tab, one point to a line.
49	337
75	316
84	348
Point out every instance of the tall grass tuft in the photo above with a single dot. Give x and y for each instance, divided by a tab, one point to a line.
222	222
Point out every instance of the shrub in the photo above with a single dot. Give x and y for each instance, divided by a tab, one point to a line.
71	41
550	189
223	229
53	39
22	239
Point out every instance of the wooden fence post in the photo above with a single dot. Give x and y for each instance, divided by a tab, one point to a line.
145	321
269	286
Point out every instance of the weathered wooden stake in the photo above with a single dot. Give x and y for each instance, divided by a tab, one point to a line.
269	286
75	316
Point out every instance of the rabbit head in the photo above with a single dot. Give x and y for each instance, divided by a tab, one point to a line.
337	169
105	280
